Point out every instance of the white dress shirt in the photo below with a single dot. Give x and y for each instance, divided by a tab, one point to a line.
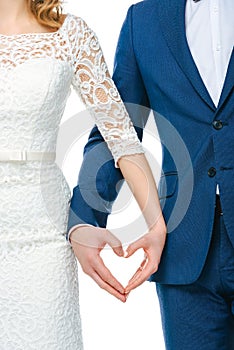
210	36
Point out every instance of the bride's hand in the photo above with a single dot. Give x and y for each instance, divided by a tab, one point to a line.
87	243
152	243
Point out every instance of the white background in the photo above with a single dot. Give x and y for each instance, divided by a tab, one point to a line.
109	324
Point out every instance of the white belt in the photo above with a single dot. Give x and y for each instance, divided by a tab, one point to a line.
23	156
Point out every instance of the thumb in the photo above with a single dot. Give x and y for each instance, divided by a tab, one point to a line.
114	243
133	247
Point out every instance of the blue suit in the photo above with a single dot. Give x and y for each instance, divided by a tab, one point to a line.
155	69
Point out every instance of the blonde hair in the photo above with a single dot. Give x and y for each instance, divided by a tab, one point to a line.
47	12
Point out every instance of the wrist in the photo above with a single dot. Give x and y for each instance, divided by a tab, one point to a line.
159	224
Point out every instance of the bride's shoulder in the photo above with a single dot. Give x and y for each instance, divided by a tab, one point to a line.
71	22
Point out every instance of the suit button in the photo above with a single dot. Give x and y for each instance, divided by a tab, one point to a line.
217	124
211	172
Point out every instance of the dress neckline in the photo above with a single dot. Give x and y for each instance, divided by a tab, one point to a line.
36	33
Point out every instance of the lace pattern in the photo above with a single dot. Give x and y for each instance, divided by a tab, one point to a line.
93	83
70	55
39	297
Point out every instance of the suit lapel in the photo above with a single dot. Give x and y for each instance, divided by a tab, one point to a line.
229	81
172	18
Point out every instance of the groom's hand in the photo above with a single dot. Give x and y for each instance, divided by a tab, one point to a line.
87	243
152	243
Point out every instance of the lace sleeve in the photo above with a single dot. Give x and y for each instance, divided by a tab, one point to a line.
97	90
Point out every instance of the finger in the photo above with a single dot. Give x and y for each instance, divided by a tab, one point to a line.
91	261
133	247
142	276
107	276
139	279
96	237
108	288
139	270
114	243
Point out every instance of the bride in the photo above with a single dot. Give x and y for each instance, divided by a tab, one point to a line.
42	54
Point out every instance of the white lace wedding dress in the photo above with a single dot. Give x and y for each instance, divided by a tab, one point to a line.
39	306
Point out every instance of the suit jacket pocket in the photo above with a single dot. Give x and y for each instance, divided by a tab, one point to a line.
168	184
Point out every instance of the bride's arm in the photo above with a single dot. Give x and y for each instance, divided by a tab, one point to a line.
137	173
98	92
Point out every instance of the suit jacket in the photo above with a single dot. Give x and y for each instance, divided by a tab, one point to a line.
154	69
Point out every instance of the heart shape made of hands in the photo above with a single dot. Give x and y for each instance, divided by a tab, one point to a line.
88	242
94	248
123	268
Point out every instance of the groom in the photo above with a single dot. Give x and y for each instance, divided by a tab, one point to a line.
175	57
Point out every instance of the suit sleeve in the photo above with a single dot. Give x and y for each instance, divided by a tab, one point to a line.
99	180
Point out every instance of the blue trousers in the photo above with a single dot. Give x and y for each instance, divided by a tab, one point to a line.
200	316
